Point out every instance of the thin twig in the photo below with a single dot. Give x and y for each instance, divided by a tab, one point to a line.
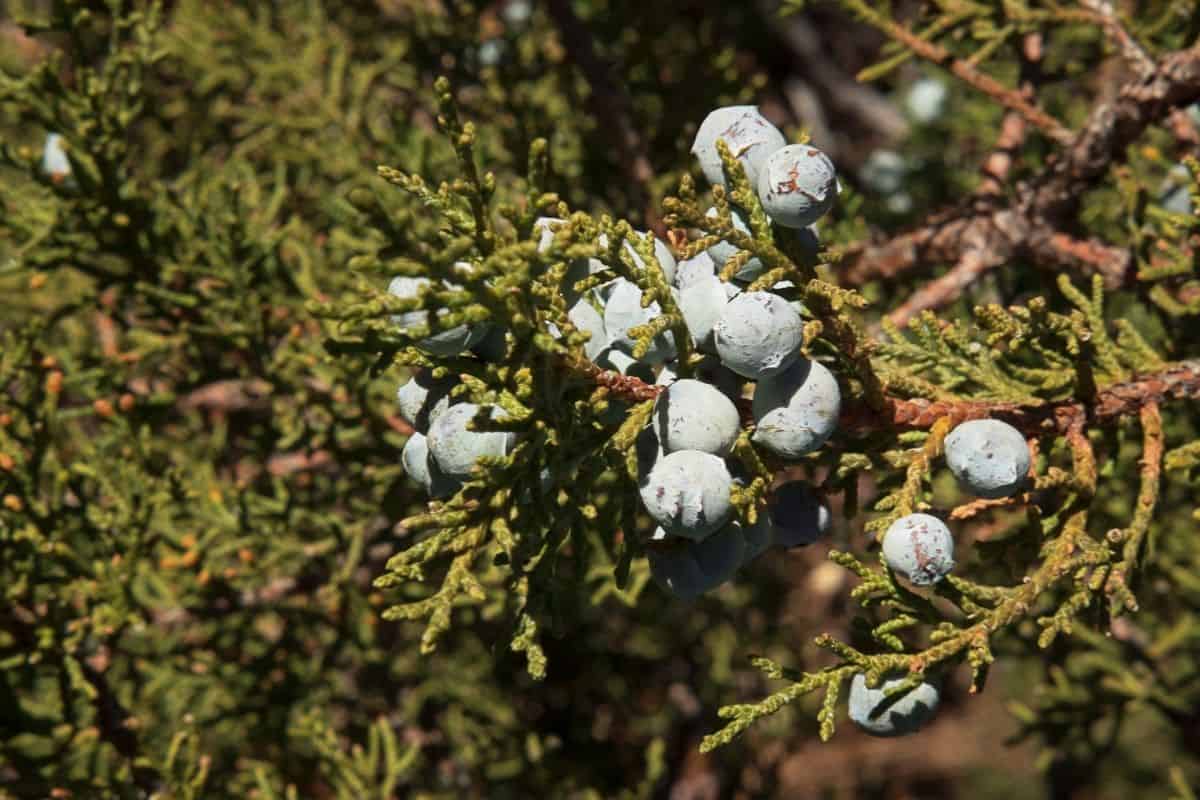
935	53
1179	381
1035	225
1117	584
1013	127
945	288
1134	53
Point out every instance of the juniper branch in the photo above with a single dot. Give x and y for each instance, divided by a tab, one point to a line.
1176	382
1034	225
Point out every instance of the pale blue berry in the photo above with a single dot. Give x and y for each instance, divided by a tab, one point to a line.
747	133
622	362
545	228
455	448
692	270
702	304
1175	193
796	411
420	466
445	343
989	458
689	568
926	99
422	399
920	548
711	371
797	186
880	715
687	493
723	251
662	253
579	269
694	415
884	172
491	52
517	12
758	335
623	311
54	157
587	319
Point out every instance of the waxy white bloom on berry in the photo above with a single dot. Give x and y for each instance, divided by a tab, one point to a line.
694	415
420	466
687	493
989	458
443	343
797	186
920	548
758	335
747	133
624	311
702	304
421	399
455	449
880	715
796	411
723	251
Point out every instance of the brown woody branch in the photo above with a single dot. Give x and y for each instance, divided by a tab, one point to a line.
1130	49
624	386
1013	127
998	163
1111	128
1117	583
1012	99
1037	225
1180	381
973	263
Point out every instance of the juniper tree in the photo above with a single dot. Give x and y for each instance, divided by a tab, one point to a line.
219	580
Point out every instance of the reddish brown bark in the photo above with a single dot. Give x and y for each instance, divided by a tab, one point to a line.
1037	225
